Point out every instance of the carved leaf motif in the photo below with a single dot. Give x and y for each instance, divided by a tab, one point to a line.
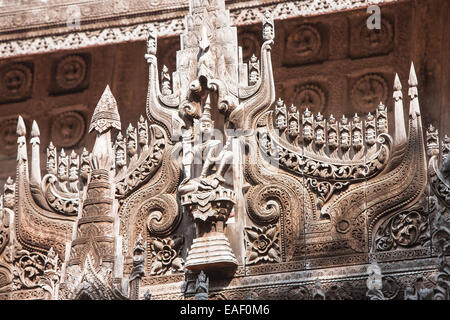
405	229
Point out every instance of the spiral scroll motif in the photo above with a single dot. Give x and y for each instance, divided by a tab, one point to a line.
266	203
163	217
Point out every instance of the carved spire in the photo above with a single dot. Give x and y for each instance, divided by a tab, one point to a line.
413	93
106	114
35	154
97	236
105	117
400	136
21	140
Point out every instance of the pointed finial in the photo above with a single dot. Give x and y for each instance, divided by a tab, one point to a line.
398	95
397	83
21	128
35	130
412	76
106	114
206	114
165	69
413	93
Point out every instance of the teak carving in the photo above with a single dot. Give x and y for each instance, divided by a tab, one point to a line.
213	184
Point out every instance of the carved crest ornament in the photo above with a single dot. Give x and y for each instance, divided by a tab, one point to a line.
268	193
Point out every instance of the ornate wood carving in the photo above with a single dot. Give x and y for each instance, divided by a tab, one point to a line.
275	198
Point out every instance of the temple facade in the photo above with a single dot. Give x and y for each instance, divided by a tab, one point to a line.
225	150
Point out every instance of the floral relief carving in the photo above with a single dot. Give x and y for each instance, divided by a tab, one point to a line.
262	244
67	129
304	41
33	270
15	82
369	42
70	74
310	96
368	91
8	137
304	44
323	193
166	255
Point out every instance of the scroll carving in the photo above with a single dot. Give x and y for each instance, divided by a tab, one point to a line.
405	229
218	182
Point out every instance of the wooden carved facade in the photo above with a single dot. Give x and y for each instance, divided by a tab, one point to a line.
223	191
